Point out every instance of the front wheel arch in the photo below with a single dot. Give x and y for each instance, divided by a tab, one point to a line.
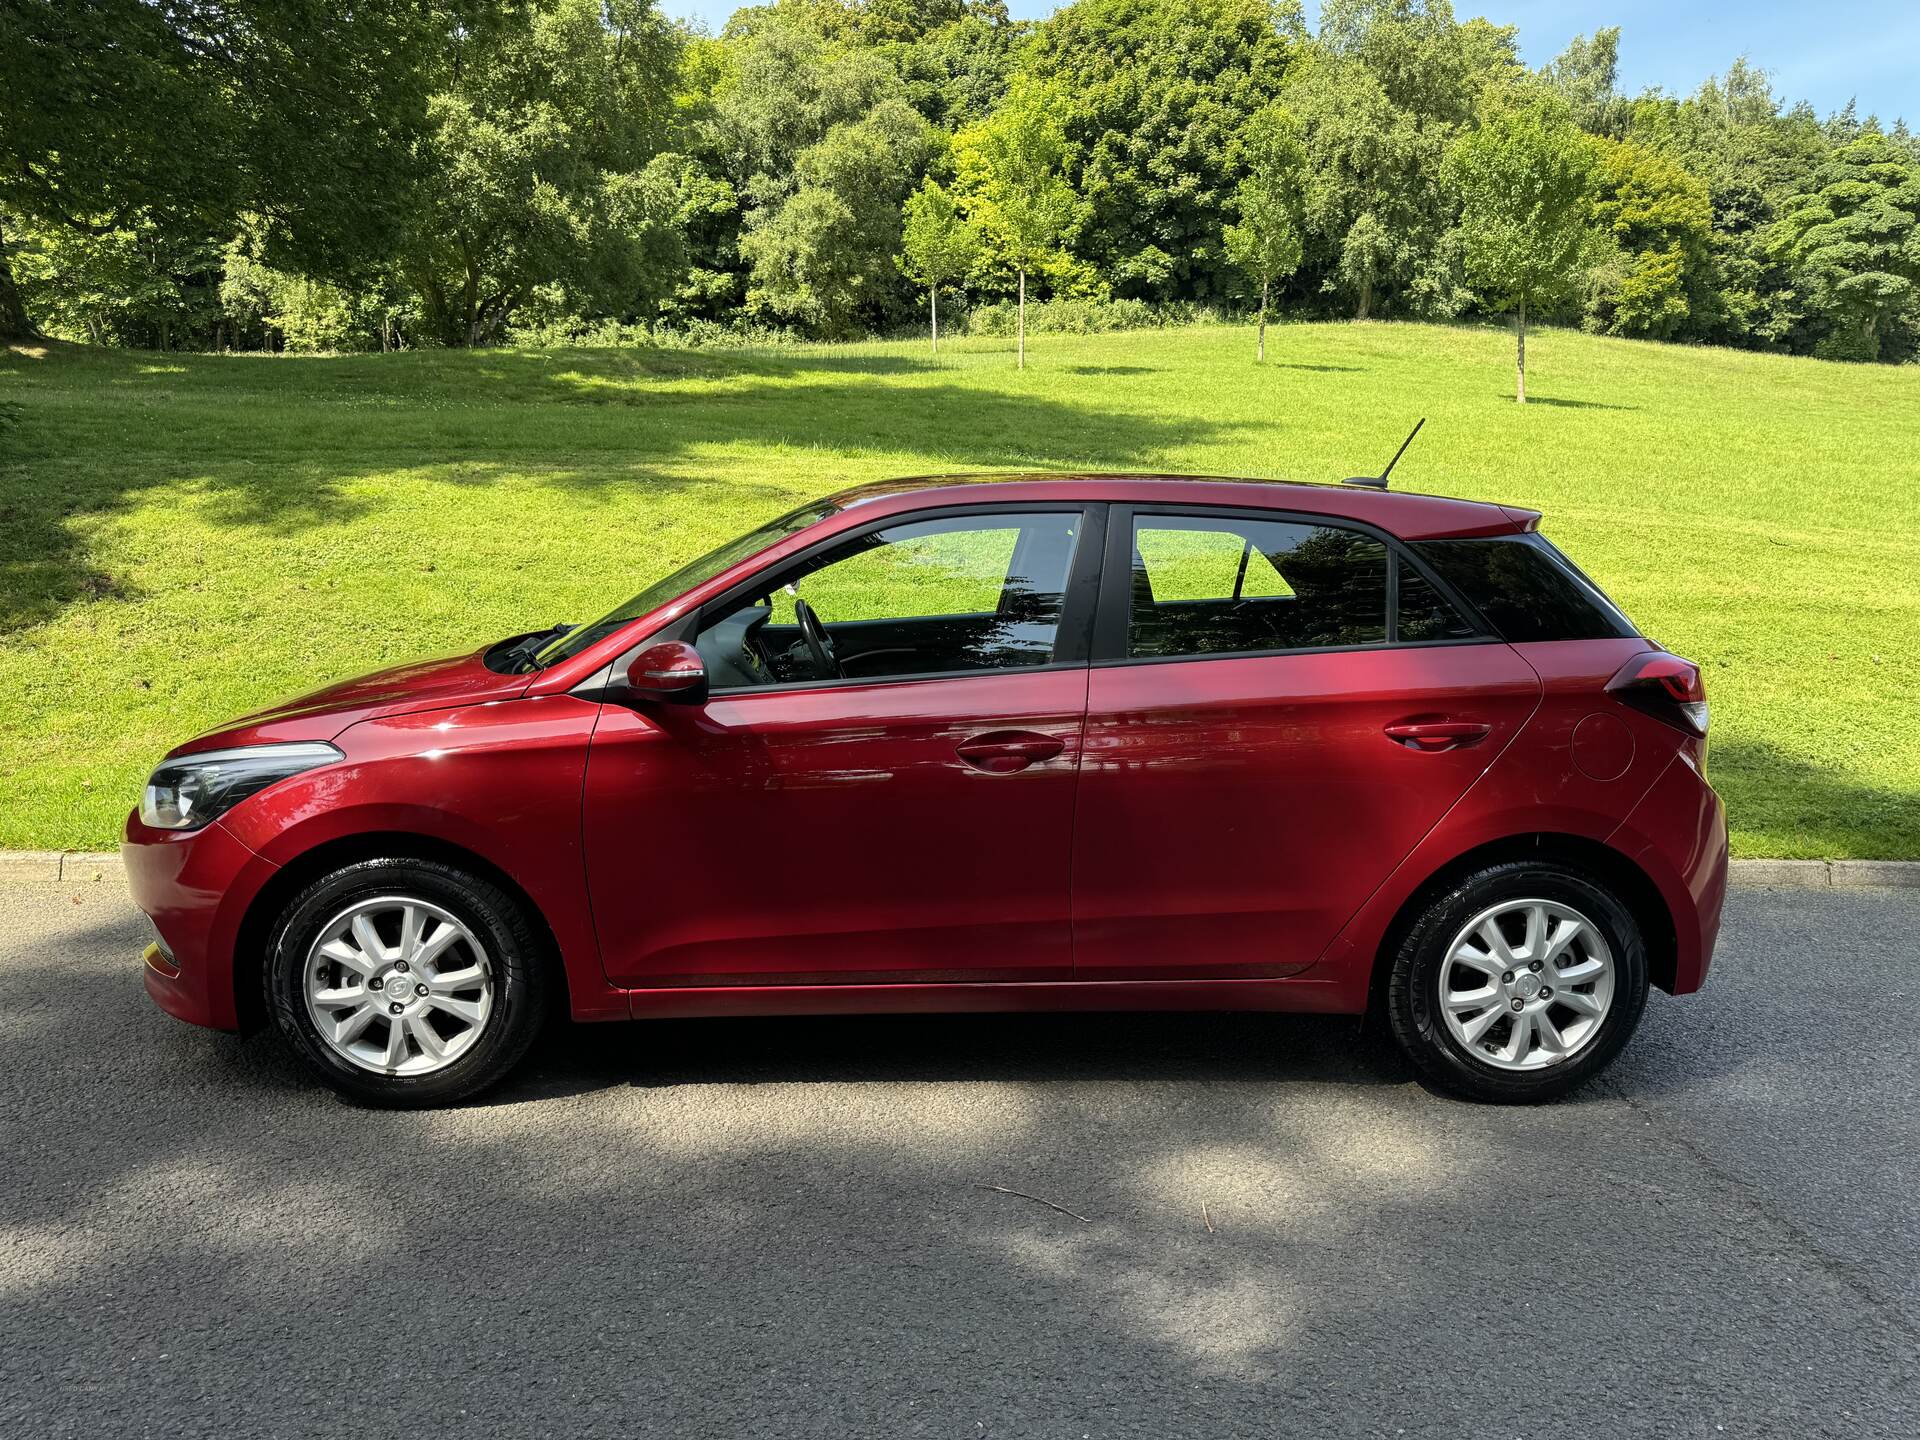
1627	880
250	943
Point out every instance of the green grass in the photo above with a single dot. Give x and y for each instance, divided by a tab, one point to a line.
185	538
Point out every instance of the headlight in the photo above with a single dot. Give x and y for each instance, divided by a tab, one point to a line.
186	793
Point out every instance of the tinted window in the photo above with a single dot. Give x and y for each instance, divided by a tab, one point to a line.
1423	613
1526	590
1204	585
978	592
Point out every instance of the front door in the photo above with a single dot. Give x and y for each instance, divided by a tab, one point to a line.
1278	711
880	787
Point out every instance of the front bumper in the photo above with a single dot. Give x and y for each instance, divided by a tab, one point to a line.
195	887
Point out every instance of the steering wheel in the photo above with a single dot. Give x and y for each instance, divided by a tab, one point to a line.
818	641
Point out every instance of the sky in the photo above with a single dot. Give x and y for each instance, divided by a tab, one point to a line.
1826	53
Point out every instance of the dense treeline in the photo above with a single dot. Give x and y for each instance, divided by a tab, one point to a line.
286	174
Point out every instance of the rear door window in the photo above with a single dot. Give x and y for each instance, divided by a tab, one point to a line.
1214	585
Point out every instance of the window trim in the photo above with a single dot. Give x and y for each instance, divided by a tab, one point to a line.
1116	587
1073	633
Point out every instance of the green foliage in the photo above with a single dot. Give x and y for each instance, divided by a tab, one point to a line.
421	172
1086	316
1150	97
187	115
1585	75
823	255
1265	242
938	246
1657	276
1381	95
1009	169
1525	178
1856	237
537	157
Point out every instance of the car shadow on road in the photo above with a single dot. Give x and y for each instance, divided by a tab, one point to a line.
1146	1047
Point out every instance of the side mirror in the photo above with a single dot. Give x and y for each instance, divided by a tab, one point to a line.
671	671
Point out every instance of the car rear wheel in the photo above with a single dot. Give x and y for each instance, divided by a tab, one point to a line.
1519	984
406	982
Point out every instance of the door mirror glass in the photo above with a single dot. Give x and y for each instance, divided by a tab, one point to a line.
671	670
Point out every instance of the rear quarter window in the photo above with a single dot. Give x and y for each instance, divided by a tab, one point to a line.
1526	589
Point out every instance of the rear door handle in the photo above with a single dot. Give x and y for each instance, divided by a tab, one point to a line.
1434	735
1002	752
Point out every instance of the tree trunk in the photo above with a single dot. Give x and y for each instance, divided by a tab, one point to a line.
1265	285
1366	297
933	314
1023	317
14	323
1520	352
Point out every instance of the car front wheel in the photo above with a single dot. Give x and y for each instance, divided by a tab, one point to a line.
405	982
1519	984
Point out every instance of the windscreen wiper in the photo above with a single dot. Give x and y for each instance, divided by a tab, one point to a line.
514	651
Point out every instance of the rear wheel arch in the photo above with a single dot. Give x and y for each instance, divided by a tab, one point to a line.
1633	886
250	943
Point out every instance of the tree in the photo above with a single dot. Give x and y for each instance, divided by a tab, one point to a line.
1658	275
1382	93
1525	181
1586	77
1020	199
1265	244
1856	237
824	255
189	114
940	246
1152	97
538	161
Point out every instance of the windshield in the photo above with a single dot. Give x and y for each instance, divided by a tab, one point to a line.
673	586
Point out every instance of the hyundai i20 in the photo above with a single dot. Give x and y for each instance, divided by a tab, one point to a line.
978	744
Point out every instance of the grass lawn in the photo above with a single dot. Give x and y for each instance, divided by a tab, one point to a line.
184	538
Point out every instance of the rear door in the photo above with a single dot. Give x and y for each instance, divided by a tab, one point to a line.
1279	709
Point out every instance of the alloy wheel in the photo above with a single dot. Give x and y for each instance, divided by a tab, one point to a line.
398	986
1527	984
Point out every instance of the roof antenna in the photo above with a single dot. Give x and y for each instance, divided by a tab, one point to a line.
1379	482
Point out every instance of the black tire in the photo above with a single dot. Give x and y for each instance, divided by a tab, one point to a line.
514	949
1413	988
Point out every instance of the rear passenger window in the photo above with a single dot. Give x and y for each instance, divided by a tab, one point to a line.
1205	585
1423	613
1525	589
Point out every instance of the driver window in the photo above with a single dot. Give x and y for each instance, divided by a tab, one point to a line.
977	592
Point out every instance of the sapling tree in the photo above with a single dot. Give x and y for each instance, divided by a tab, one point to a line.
1266	242
938	244
1525	180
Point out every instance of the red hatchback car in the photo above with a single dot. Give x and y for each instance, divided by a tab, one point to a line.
978	743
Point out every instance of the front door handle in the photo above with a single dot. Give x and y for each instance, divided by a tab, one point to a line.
1430	736
1002	752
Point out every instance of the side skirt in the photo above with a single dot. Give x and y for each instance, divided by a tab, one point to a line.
1322	996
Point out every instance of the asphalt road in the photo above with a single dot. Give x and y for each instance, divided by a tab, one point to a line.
780	1228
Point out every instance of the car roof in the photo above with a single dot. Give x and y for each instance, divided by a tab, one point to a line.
1406	514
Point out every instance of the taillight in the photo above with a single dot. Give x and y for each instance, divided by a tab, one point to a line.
1665	687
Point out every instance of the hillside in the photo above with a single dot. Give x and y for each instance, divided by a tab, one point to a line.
188	537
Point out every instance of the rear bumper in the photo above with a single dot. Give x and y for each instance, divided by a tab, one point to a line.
1677	834
195	888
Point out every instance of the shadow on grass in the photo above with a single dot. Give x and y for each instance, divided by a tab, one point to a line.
1809	808
276	443
1563	404
1113	370
1317	369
